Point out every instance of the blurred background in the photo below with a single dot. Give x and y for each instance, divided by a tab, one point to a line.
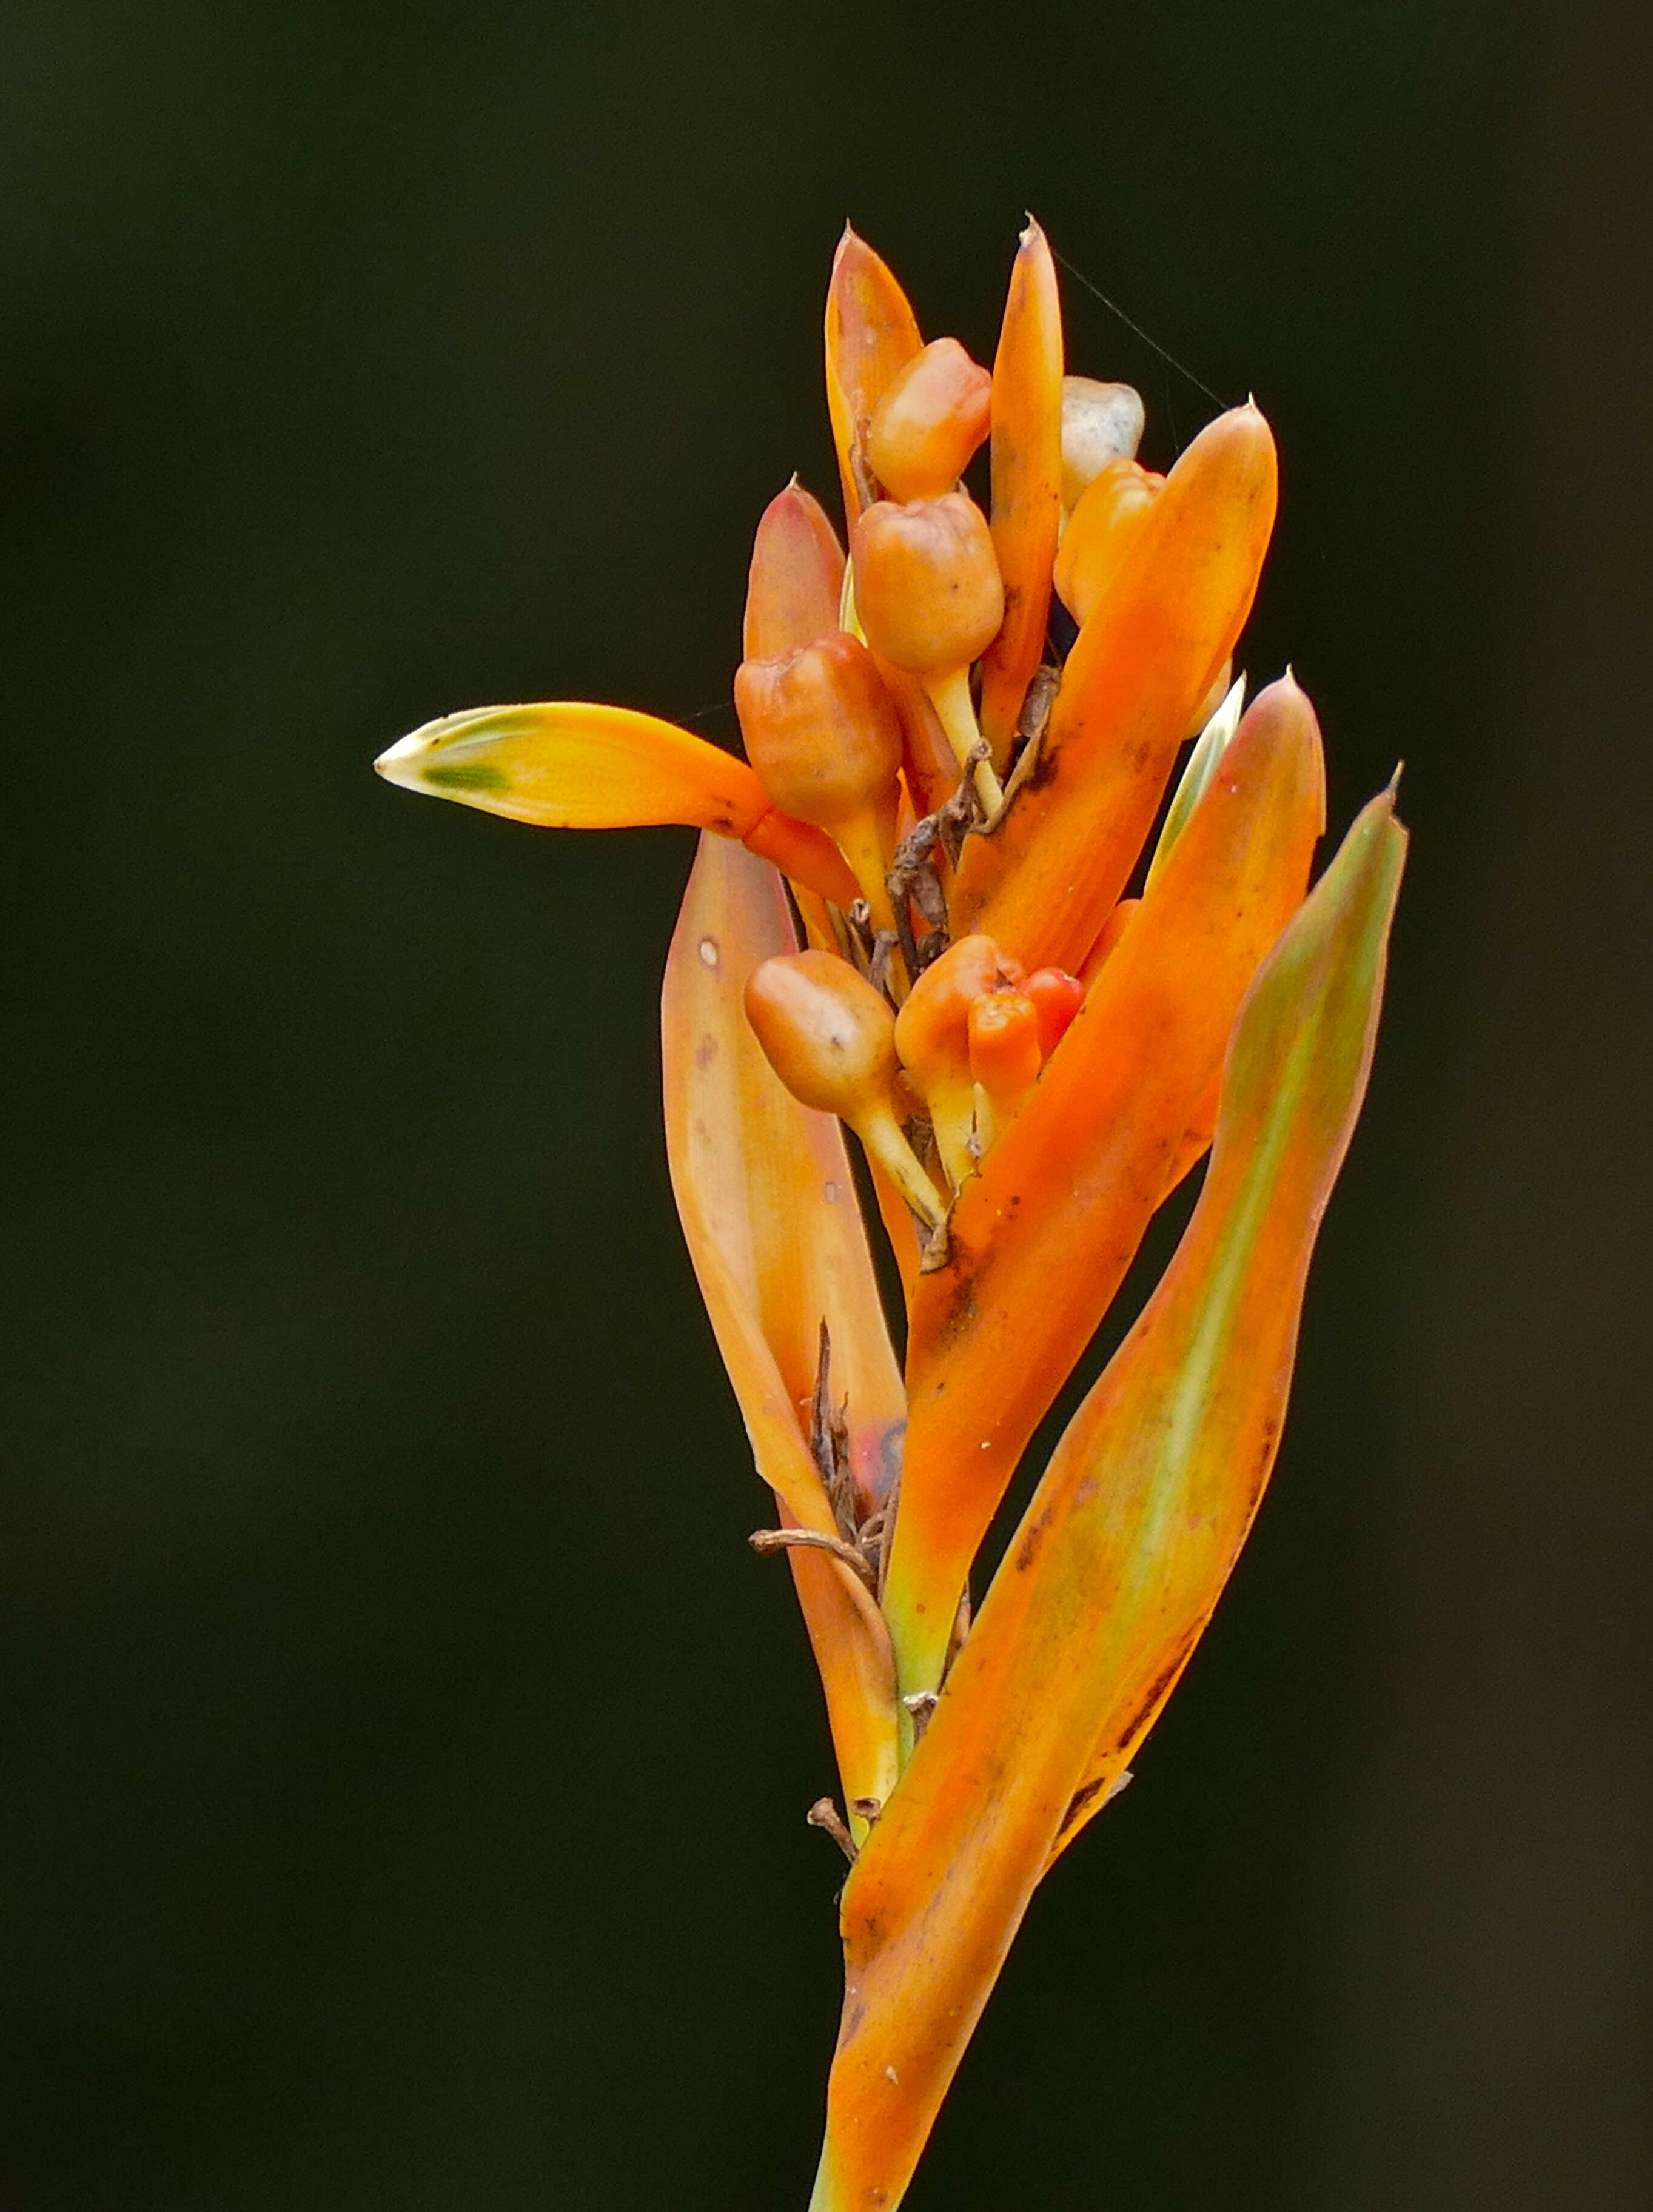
405	1757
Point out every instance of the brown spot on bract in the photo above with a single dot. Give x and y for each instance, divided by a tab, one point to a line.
1028	1548
705	1052
1156	1688
960	1307
1077	1803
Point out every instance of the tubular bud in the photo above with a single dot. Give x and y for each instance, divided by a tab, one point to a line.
1101	422
796	577
929	422
1005	1056
1057	997
820	729
825	1031
825	740
933	1042
830	1038
930	600
1097	538
927	583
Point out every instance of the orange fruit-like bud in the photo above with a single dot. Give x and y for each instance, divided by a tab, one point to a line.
1101	422
820	729
932	1040
927	583
825	1031
1095	541
796	578
929	422
1058	996
1006	1055
830	1038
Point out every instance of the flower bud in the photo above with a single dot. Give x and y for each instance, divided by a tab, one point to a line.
1101	422
830	1038
927	583
820	729
1096	541
933	1042
819	726
825	1031
1058	996
930	422
1004	1050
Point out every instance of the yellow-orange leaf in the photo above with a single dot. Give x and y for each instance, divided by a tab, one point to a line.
769	1211
1043	882
1041	1239
1124	1549
1027	482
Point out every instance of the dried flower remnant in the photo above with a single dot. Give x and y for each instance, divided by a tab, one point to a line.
908	921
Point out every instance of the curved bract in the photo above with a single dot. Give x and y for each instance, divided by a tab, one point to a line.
767	1198
926	911
1123	1550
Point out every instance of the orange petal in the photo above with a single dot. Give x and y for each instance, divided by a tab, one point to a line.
769	1212
1041	1239
796	578
1044	881
1124	1550
1027	482
870	333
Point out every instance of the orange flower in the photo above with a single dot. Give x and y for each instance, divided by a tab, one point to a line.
945	934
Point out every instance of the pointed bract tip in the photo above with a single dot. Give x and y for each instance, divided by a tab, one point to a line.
403	762
394	758
1034	233
1393	786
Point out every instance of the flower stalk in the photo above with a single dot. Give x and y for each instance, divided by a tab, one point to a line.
928	914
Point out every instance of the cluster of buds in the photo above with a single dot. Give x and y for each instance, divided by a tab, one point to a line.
959	901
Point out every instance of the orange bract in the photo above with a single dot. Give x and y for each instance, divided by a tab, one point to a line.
1123	1550
1027	474
928	910
1041	1239
1043	882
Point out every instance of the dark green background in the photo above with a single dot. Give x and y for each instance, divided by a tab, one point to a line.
404	1758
